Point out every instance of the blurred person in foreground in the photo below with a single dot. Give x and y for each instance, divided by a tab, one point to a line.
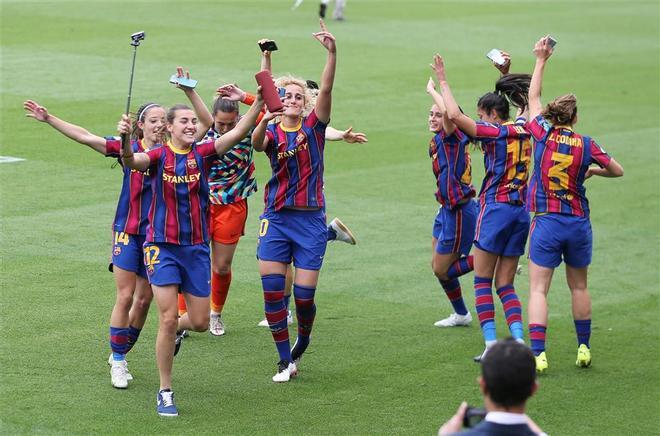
508	380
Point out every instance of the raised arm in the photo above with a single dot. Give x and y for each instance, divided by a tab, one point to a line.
460	120
265	58
324	100
235	135
204	118
77	133
136	161
543	51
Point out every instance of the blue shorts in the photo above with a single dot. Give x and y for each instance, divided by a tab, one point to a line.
454	228
286	234
127	253
188	266
555	235
502	229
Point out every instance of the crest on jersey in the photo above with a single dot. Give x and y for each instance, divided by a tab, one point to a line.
117	250
150	269
192	164
300	138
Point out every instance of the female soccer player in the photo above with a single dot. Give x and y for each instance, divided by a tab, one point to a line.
133	291
176	250
337	230
293	223
453	229
503	222
560	227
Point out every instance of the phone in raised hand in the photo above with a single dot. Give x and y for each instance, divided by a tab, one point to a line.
496	56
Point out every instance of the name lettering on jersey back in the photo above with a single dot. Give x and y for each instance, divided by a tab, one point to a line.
292	152
573	141
188	178
146	173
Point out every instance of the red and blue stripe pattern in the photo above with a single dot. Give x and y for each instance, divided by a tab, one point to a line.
132	215
561	160
296	159
452	168
179	210
507	153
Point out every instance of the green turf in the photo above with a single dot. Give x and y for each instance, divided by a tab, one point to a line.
376	364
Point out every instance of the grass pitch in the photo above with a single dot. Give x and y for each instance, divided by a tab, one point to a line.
376	364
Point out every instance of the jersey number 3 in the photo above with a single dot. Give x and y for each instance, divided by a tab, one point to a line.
558	174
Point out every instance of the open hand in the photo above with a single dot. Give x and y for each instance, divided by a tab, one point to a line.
438	66
36	111
231	92
351	137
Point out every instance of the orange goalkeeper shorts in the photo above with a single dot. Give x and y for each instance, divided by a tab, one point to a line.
227	223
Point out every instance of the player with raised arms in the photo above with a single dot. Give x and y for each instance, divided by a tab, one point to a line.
453	228
503	222
561	228
176	250
134	295
293	224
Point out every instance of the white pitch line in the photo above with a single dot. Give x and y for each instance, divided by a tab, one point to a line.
9	159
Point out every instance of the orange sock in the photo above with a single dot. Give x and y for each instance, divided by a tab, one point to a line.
219	290
182	305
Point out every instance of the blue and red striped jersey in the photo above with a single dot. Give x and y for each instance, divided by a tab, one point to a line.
179	210
561	159
451	167
507	153
296	158
132	214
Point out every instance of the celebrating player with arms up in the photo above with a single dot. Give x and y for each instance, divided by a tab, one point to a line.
453	229
293	223
176	250
561	227
503	222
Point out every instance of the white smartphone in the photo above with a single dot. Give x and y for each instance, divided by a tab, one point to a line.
551	41
495	55
183	81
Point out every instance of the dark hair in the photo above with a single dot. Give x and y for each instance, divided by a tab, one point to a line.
509	372
492	101
224	105
171	114
515	87
562	110
140	115
312	84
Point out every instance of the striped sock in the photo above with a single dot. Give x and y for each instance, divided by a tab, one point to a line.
462	266
537	338
453	290
305	314
118	342
276	312
287	300
512	310
133	335
219	289
485	307
182	304
583	330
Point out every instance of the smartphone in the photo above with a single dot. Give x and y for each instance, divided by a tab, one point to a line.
267	45
281	92
269	91
495	55
183	81
551	41
473	416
